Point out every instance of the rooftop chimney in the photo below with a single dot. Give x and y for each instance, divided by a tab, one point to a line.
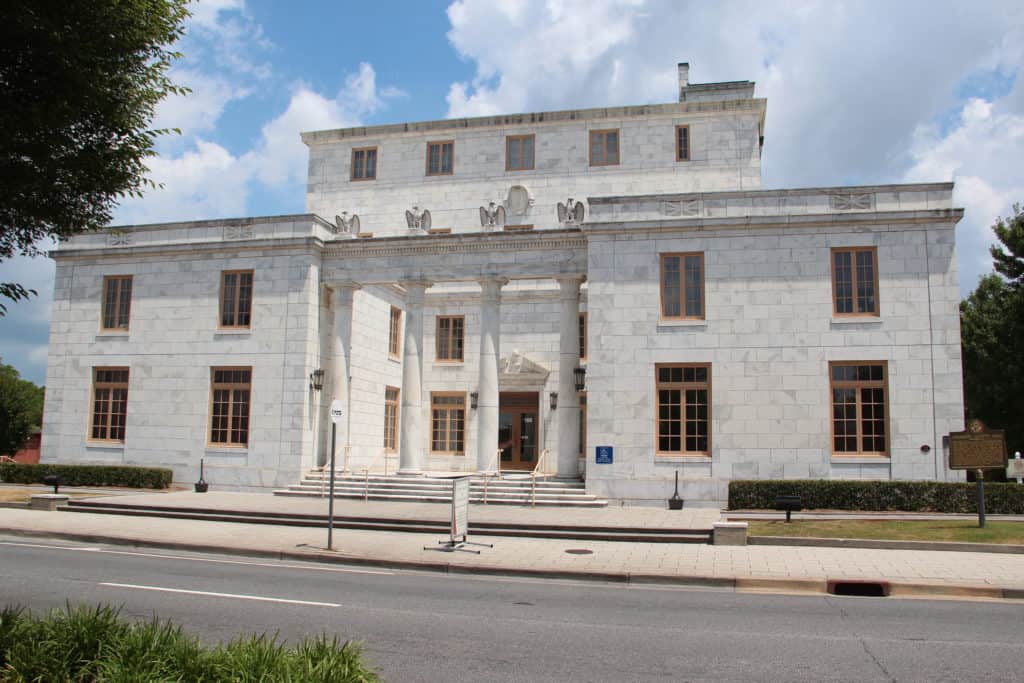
684	77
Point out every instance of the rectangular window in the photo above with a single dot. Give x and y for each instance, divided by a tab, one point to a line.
684	409
449	338
682	143
390	419
858	408
236	298
109	404
117	302
364	163
604	147
583	335
583	425
230	394
519	153
447	423
855	281
395	333
682	286
441	157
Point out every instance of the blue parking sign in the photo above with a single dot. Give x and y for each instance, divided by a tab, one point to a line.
604	455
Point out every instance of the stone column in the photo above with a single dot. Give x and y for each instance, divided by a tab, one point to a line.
343	298
487	385
411	434
568	410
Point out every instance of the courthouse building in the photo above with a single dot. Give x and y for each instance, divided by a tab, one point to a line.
605	294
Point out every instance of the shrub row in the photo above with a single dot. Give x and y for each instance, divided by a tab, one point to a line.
904	496
88	475
95	644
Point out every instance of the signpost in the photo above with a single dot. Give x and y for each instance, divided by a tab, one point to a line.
978	448
459	532
336	412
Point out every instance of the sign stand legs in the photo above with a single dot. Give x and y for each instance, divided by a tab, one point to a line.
330	499
980	478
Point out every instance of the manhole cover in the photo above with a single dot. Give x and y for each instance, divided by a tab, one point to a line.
579	551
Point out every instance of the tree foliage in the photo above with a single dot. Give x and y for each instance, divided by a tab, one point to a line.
79	84
992	332
21	409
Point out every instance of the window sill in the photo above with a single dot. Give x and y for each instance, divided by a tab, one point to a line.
395	359
113	334
104	445
227	450
227	331
856	320
456	363
682	322
703	459
861	459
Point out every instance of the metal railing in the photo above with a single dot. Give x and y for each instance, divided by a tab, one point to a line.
489	474
366	472
539	469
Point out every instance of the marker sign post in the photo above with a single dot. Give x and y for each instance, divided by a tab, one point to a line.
978	448
336	412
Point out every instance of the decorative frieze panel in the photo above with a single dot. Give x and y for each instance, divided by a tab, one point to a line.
686	207
120	238
852	201
238	232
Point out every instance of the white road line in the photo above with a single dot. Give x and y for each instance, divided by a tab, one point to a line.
344	570
259	598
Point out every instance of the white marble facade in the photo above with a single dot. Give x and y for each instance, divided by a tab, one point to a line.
322	298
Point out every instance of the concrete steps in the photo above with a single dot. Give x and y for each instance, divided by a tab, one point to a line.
511	489
371	523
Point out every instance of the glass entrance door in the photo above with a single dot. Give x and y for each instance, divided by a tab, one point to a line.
517	430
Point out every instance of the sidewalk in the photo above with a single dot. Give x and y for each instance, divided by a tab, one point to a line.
763	568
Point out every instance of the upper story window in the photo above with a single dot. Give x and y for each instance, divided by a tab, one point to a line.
684	408
230	396
519	152
855	281
682	143
583	335
117	302
858	408
109	404
364	163
236	298
450	330
441	157
682	286
604	147
391	419
395	332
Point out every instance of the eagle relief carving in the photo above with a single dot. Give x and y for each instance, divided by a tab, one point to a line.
492	216
345	224
570	213
418	220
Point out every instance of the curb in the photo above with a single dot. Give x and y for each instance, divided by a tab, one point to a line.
870	544
739	584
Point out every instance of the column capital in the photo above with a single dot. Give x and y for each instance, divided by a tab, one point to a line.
490	287
415	289
569	285
342	285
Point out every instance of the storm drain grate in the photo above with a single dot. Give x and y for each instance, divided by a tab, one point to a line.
860	589
579	551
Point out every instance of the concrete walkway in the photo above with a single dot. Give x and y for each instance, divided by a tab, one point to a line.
768	568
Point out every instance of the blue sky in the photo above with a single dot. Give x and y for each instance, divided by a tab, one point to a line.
858	93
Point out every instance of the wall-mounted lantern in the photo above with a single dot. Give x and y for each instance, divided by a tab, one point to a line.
554	400
316	379
580	375
474	400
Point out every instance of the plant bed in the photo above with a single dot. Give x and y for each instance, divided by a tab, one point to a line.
96	644
943	530
88	475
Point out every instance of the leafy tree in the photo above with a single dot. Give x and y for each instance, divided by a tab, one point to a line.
21	408
79	85
992	333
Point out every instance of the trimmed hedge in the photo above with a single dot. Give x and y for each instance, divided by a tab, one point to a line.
88	475
877	496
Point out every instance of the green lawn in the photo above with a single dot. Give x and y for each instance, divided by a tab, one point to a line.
965	531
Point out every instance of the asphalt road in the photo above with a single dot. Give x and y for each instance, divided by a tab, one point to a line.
430	627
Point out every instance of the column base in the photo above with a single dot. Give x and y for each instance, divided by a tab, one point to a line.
409	473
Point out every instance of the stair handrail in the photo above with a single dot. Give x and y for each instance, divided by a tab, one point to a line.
488	473
541	462
366	472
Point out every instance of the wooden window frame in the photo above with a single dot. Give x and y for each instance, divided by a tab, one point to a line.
682	256
236	308
448	431
352	167
231	387
395	332
689	144
451	339
440	159
117	281
854	281
392	412
604	147
582	334
858	385
583	425
522	227
108	419
533	152
682	387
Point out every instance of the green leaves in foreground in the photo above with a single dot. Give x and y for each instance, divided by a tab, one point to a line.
95	644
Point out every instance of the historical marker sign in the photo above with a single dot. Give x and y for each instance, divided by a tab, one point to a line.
977	448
